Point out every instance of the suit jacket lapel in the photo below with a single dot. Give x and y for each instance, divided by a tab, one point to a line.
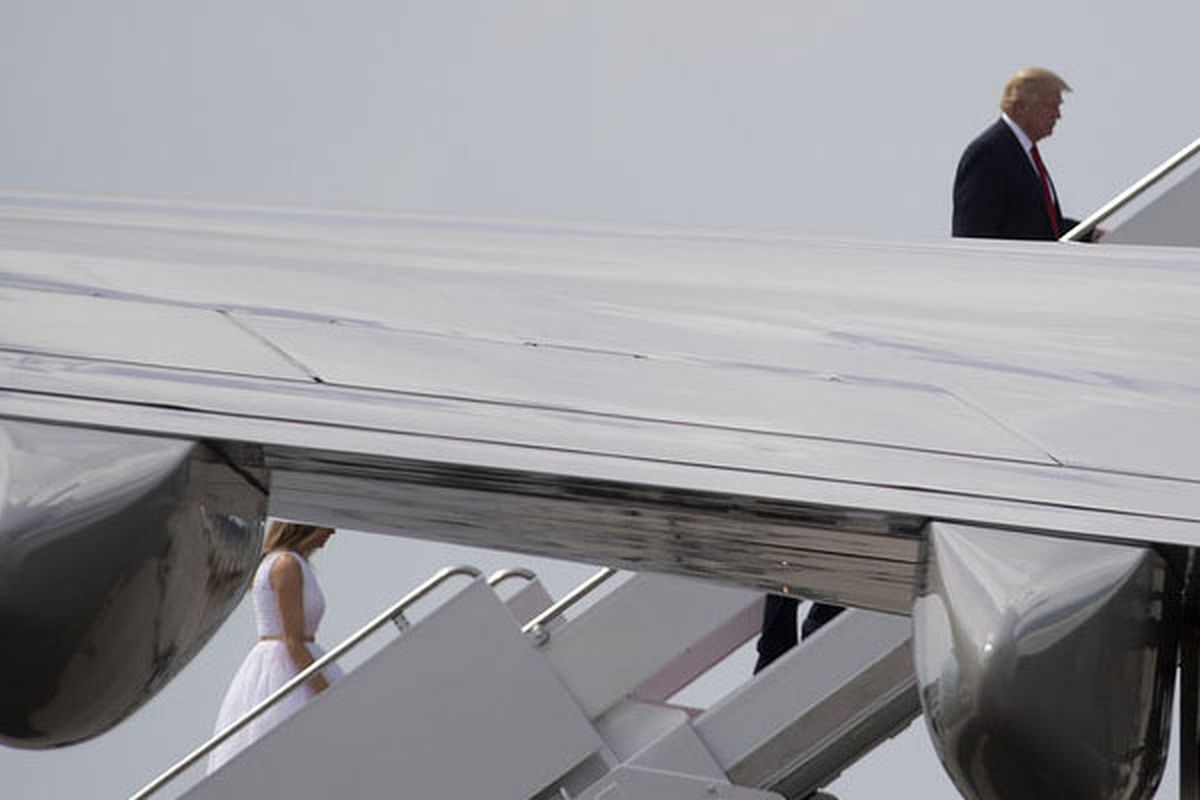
1021	163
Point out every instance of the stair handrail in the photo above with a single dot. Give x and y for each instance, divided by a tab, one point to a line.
1124	198
537	625
436	580
501	575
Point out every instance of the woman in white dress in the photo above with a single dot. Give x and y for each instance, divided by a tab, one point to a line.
288	606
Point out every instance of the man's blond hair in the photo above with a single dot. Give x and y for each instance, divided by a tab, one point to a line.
1028	84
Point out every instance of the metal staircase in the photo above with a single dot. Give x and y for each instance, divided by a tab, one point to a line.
507	698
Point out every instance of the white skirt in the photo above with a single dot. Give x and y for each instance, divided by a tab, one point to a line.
266	668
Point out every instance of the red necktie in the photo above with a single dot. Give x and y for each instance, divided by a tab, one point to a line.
1051	211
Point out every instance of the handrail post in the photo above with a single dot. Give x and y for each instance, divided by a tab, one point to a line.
501	575
536	626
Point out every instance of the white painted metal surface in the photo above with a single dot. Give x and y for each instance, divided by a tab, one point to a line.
1167	214
632	783
460	706
1166	172
528	601
464	703
820	708
701	656
628	636
961	381
792	729
129	331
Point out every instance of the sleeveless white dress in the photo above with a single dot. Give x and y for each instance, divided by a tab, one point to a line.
268	666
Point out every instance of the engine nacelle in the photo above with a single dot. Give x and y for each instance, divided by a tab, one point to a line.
120	555
1046	665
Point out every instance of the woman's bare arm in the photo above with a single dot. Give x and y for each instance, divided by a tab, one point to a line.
287	579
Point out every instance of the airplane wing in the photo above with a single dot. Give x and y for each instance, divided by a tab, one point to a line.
654	399
775	411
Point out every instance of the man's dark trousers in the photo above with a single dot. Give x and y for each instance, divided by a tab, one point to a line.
779	626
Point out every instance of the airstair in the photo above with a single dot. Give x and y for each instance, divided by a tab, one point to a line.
510	699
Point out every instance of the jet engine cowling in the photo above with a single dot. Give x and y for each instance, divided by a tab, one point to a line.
120	555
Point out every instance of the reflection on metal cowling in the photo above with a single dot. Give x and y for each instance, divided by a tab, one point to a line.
1045	665
120	555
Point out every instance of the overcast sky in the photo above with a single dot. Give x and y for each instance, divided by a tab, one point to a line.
843	118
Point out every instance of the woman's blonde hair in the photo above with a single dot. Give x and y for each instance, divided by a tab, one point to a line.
295	536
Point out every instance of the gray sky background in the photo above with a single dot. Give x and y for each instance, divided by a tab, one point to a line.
840	118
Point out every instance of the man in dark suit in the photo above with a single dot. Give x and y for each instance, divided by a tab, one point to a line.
779	626
1002	189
